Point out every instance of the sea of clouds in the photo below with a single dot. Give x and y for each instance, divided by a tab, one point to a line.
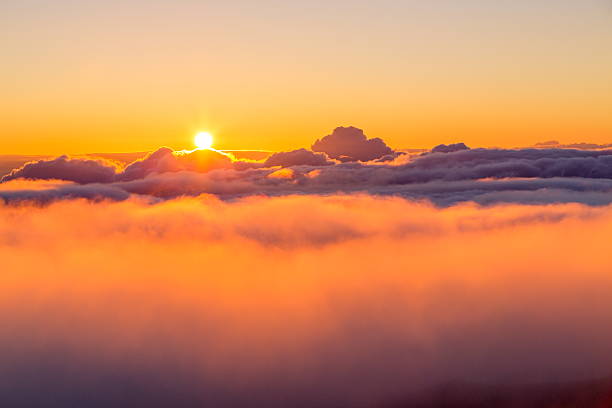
345	161
351	276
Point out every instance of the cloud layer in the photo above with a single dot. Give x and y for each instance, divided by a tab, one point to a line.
347	275
263	301
485	176
343	162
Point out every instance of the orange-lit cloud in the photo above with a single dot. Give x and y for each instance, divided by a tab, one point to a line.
282	174
446	175
300	157
350	144
264	301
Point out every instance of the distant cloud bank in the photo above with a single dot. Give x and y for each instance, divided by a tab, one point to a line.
345	161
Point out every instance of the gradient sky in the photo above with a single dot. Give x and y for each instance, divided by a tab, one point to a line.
107	75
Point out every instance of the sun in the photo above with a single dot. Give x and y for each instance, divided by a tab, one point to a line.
203	140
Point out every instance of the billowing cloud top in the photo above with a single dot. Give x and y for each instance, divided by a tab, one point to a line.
455	147
165	160
81	171
351	144
346	162
86	170
298	157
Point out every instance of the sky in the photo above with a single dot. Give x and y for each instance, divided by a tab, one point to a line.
117	76
426	221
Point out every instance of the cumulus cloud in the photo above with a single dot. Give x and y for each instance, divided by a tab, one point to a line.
165	160
203	302
455	147
300	157
502	163
351	144
85	170
159	161
79	170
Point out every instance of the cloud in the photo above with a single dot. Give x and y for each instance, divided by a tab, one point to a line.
263	302
158	161
196	279
165	160
300	157
581	145
283	174
79	170
456	147
438	182
351	144
445	176
85	171
39	192
503	163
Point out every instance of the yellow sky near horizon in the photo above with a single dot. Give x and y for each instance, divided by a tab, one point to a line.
110	76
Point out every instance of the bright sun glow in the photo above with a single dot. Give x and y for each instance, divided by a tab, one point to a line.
203	140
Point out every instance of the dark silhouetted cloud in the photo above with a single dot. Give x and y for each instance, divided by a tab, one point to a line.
351	144
300	157
449	148
581	145
79	170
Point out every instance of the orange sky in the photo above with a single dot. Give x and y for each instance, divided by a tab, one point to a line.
107	76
